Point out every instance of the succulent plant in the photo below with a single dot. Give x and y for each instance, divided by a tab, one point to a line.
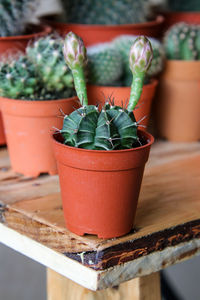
184	5
105	11
104	64
113	127
46	55
18	79
182	42
14	16
123	44
41	74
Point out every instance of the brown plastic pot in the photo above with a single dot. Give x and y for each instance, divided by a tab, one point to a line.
100	189
178	101
28	126
98	94
13	44
2	134
93	34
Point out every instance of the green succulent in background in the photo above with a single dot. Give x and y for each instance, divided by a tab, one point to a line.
113	127
104	64
41	74
106	11
182	42
18	79
184	5
123	44
14	16
46	54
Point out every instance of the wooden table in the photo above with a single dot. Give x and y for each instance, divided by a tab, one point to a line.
167	229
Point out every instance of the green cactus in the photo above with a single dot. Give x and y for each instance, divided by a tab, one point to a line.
41	74
14	16
105	11
113	127
184	5
123	44
18	79
182	42
104	64
46	54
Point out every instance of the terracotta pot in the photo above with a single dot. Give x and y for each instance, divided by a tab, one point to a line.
28	126
12	44
2	134
178	101
98	94
100	189
93	34
172	18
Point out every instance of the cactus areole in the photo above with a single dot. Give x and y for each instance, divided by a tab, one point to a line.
113	127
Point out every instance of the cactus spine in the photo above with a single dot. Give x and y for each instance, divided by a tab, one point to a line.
14	16
113	127
182	42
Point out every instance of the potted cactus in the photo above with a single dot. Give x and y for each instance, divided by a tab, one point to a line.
101	21
101	154
15	33
109	74
178	93
34	88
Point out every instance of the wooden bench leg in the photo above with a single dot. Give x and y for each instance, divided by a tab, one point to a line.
143	288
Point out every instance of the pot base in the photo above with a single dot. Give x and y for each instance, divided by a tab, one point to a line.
101	235
34	174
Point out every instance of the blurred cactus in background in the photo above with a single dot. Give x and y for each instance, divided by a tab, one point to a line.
41	74
46	55
18	79
182	42
14	16
184	5
106	12
104	64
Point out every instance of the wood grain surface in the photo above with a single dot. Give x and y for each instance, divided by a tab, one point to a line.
168	211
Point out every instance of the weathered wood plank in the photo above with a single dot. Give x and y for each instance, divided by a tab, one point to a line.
165	217
96	280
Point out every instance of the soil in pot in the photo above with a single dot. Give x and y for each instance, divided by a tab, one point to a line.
100	189
93	34
177	105
28	126
99	94
13	44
